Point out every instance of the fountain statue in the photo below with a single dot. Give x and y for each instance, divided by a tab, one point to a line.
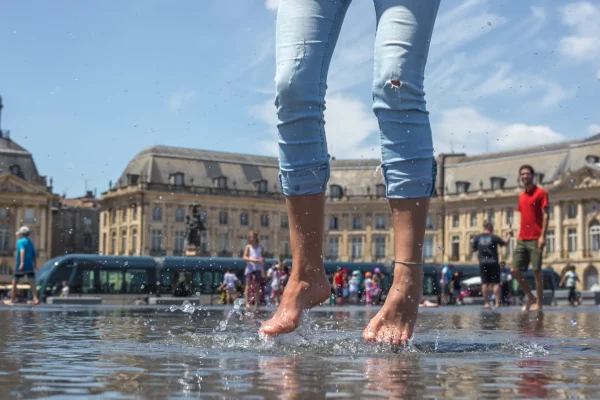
193	233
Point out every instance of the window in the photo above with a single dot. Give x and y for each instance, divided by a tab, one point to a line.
497	183
29	215
356	250
572	211
176	179
264	242
124	215
111	281
538	178
511	247
179	242
262	186
333	223
136	281
595	235
380	190
429	223
220	182
285	248
491	216
134	239
133	179
357	222
335	191
113	243
550	242
473	219
333	248
123	242
17	171
455	248
224	241
380	247
572	236
179	215
455	220
105	218
3	212
380	222
157	214
156	240
5	269
244	220
264	220
4	238
222	217
462	187
285	222
113	216
550	213
510	216
428	247
104	243
471	254
591	159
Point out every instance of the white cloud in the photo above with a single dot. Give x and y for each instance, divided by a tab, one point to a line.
593	129
180	99
350	126
466	130
272	4
583	43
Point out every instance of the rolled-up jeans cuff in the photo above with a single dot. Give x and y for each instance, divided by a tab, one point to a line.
304	182
410	179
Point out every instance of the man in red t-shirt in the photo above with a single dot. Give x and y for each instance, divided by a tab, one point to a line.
533	206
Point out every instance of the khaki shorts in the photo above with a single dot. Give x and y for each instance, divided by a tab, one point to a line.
527	251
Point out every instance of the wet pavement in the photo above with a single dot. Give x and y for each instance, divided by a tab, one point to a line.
158	353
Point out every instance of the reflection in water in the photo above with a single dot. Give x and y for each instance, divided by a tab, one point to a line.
154	353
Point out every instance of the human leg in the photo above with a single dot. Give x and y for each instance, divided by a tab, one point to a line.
404	30
497	294
538	275
486	295
13	291
33	289
521	263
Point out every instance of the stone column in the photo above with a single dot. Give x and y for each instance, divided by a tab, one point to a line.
558	230
343	246
580	230
43	245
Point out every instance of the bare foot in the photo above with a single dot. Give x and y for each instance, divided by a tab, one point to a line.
299	295
487	305
535	307
395	322
528	305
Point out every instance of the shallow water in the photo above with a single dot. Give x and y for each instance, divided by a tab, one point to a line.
466	352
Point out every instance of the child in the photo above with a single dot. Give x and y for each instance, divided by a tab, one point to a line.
229	283
353	286
368	288
571	279
65	289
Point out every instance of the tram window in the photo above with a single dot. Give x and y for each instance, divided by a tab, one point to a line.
57	277
218	278
428	285
166	282
111	282
207	282
197	282
87	281
136	281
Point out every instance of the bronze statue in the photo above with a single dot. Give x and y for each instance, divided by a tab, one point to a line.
195	226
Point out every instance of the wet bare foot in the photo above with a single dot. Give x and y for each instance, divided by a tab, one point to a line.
535	307
530	304
487	305
299	295
395	322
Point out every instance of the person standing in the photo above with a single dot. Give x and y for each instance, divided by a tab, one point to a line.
533	206
230	281
306	36
445	278
254	268
571	279
486	245
25	265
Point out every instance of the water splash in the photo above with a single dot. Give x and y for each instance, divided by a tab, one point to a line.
186	307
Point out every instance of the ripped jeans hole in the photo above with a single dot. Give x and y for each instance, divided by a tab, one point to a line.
395	83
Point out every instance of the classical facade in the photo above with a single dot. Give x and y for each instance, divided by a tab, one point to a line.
144	211
76	225
25	199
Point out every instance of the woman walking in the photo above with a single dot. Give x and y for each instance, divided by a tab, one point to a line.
307	31
254	269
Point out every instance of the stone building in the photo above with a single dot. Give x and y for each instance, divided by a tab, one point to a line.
144	211
25	199
76	226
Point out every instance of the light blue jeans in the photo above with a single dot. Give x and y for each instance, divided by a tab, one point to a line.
307	31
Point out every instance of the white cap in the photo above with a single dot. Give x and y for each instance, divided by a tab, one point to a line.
23	230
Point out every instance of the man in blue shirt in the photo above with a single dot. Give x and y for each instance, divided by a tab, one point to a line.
25	266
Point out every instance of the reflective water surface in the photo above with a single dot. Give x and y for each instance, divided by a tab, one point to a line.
216	353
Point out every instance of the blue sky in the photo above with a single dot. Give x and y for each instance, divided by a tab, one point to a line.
87	85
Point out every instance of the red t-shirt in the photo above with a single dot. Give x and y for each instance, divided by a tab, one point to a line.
531	206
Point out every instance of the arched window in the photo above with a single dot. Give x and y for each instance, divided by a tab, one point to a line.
17	171
590	277
335	191
595	235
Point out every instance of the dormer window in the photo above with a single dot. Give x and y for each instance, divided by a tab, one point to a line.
262	186
462	186
380	190
538	178
176	179
336	191
592	159
133	179
497	182
17	171
220	182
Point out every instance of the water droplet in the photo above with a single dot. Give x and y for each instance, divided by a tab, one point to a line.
197	293
573	322
173	308
153	328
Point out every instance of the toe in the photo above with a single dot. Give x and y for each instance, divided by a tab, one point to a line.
370	332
